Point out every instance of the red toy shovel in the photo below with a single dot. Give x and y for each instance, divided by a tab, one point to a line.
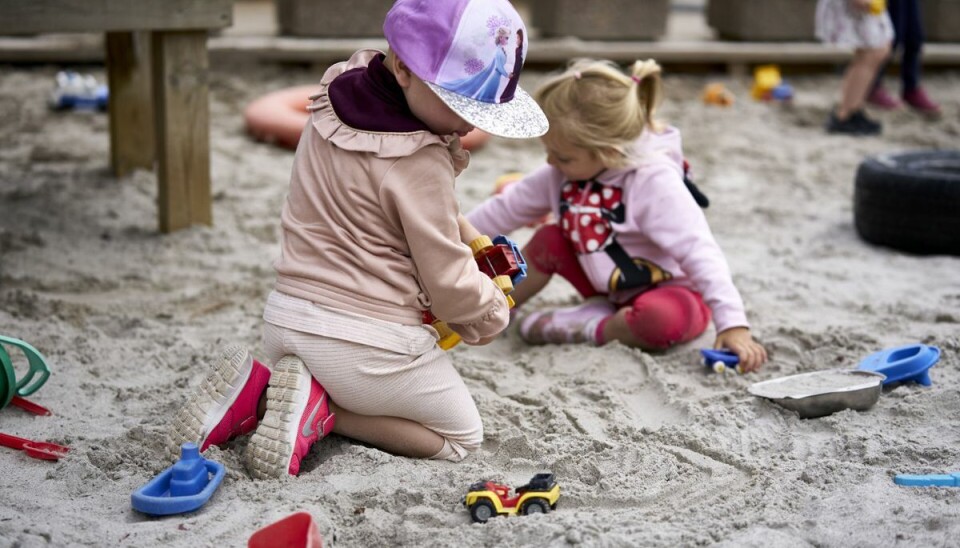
35	449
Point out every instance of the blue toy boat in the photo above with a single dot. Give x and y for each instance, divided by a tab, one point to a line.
184	487
910	363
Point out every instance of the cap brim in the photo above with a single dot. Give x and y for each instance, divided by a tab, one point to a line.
519	118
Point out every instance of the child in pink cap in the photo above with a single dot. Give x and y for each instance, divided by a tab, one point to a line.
371	237
630	235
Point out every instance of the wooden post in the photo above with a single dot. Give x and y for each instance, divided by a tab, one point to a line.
130	106
182	118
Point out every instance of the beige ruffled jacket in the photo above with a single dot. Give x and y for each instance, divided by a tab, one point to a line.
370	225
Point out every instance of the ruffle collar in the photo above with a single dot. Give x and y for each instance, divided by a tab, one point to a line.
384	145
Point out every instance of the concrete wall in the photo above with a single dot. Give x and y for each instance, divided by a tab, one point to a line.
763	20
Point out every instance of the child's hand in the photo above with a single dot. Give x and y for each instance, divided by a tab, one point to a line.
739	341
861	5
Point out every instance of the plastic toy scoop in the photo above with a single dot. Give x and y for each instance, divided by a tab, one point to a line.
928	480
184	487
294	531
903	363
34	449
37	374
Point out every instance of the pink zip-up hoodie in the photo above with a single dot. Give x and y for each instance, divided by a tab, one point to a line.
644	208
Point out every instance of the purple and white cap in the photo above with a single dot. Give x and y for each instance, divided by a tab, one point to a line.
470	53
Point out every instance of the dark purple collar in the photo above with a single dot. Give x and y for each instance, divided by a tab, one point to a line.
369	99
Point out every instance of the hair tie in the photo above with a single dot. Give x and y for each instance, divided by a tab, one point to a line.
577	75
636	79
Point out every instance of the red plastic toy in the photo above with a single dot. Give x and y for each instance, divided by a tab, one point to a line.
294	531
501	260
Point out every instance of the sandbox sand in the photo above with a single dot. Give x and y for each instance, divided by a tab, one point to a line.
649	449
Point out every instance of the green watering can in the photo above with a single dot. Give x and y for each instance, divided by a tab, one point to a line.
31	382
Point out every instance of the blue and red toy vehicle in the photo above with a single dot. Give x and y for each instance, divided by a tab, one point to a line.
501	260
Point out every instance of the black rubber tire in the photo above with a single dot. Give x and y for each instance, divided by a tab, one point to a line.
535	506
482	510
910	201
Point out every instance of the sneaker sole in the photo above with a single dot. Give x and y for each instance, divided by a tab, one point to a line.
270	449
211	400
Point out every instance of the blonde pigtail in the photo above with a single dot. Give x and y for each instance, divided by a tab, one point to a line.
594	105
647	76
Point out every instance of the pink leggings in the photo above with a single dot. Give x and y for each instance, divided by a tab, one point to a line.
659	318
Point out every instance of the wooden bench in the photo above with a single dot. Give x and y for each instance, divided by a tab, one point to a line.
157	66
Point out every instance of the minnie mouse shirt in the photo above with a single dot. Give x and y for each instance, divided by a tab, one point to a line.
633	228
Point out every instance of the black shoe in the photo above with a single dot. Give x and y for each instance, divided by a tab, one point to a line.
868	126
856	124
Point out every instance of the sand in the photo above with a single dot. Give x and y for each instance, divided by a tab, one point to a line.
649	449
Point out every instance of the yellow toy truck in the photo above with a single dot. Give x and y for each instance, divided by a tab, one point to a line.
487	499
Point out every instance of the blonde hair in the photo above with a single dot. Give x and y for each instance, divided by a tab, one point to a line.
594	105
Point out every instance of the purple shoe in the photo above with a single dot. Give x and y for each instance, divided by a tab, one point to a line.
883	100
918	99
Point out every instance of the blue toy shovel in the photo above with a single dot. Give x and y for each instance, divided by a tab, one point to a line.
928	480
37	374
910	363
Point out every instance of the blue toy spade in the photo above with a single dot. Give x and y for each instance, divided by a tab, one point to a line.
928	480
910	363
183	487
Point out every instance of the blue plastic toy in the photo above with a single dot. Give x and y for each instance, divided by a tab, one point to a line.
521	274
719	361
928	480
910	363
79	91
184	487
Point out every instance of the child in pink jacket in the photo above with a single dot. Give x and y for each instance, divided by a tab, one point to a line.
629	235
371	237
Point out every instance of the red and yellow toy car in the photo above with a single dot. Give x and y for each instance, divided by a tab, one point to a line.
487	499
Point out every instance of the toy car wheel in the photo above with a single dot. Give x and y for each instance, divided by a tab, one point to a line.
535	506
504	283
481	244
481	511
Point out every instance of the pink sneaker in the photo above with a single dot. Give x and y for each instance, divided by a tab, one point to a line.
298	415
883	100
224	406
575	324
918	99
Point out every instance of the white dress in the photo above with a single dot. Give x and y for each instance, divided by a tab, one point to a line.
841	23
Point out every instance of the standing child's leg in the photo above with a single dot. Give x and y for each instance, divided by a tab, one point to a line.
911	25
859	76
658	319
857	79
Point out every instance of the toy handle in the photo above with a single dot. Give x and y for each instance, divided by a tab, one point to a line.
38	366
